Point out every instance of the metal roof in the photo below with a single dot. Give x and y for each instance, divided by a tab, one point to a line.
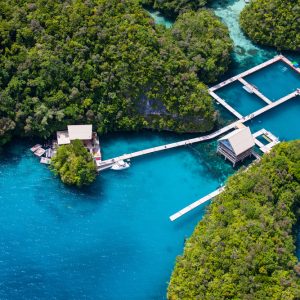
80	132
240	140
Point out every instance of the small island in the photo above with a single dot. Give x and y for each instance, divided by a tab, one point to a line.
74	164
77	155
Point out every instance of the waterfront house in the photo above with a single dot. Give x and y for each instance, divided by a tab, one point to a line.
85	134
237	145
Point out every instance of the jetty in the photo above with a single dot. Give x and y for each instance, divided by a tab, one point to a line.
250	71
196	204
254	90
269	137
250	87
106	164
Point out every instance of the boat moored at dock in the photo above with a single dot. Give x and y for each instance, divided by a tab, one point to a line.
120	165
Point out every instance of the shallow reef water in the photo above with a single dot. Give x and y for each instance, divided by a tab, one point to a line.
114	239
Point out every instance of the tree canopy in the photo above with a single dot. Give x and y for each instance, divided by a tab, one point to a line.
244	247
74	164
99	61
273	23
173	8
205	41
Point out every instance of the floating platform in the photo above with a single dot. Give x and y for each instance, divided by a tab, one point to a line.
39	152
269	137
35	147
45	160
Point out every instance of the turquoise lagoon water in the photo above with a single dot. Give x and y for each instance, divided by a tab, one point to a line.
282	121
239	99
114	239
160	19
276	80
246	54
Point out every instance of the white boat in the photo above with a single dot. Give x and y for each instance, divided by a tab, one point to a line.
120	165
246	88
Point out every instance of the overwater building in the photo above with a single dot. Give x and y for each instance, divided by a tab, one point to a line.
85	134
237	145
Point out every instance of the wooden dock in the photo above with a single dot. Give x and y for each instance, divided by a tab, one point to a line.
250	71
273	140
106	164
226	105
196	204
287	61
254	90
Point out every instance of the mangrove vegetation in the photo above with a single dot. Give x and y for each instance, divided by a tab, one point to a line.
244	247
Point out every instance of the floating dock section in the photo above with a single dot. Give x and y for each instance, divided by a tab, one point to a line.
196	204
250	71
272	139
250	87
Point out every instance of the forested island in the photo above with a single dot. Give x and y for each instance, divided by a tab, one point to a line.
244	247
106	63
172	8
273	23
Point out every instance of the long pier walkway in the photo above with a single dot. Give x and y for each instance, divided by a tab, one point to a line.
226	105
106	164
250	71
196	204
254	90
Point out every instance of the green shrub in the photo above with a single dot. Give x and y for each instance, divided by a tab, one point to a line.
74	164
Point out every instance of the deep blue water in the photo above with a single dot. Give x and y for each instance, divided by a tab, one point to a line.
114	239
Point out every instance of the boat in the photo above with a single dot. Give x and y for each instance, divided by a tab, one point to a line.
120	165
246	88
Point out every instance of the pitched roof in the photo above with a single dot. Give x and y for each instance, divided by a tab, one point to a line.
80	132
240	140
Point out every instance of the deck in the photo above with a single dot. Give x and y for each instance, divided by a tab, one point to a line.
196	204
250	71
252	88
